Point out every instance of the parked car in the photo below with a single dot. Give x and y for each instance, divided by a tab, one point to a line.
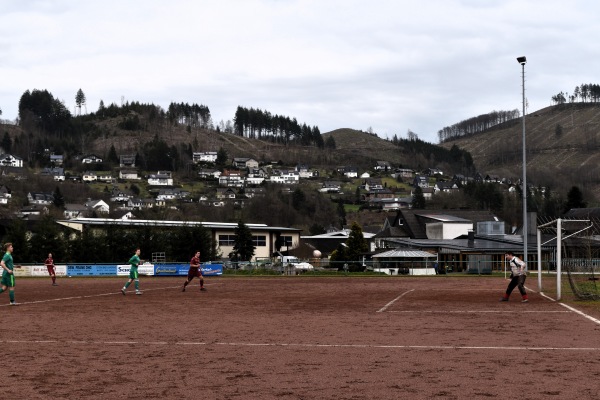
304	266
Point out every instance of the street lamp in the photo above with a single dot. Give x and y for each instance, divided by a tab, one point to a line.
523	61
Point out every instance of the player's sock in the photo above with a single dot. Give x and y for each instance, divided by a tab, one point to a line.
126	285
137	285
11	295
53	279
525	297
185	283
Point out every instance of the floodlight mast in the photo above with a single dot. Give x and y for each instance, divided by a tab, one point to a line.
523	61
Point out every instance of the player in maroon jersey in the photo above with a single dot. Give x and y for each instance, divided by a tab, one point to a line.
51	270
194	271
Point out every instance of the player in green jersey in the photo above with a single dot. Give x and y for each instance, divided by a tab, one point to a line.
134	262
8	276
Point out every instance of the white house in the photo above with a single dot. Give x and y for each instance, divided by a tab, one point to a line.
161	178
128	174
286	177
171	194
119	195
232	179
89	176
209	173
331	187
91	159
382	166
7	160
5	192
99	206
206	157
105	178
350	172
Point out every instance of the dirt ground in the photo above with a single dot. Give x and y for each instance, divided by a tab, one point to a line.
293	338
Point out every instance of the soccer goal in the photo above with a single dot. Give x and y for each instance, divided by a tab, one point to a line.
576	256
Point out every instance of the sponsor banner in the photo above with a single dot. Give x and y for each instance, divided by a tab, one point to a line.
90	270
182	269
171	269
42	270
143	269
25	270
212	269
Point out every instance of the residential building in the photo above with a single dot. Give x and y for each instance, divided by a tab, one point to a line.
231	178
204	157
286	177
128	174
205	173
91	159
127	160
57	173
264	237
56	159
89	176
161	178
7	160
331	187
75	211
382	166
98	206
37	198
244	162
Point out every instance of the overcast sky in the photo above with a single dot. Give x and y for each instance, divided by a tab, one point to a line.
386	65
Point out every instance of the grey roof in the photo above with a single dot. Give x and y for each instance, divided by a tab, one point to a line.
400	253
166	223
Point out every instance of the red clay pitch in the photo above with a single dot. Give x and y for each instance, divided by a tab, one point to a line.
293	338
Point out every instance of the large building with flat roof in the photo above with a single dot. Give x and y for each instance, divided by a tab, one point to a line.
222	233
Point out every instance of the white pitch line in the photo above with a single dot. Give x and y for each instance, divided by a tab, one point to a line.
477	312
572	309
89	296
392	302
309	345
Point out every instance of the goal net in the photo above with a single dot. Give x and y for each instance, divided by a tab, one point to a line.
575	256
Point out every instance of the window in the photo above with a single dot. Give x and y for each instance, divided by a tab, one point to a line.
259	240
286	241
226	240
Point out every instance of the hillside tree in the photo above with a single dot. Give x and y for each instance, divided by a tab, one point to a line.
80	100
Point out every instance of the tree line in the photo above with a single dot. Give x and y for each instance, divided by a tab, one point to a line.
476	125
258	124
586	92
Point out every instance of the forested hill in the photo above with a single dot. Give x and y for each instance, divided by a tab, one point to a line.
562	144
165	139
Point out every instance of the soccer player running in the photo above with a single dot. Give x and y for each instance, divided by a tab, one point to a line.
194	271
134	262
8	276
518	274
51	270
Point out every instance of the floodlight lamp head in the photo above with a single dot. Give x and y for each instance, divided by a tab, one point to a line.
522	60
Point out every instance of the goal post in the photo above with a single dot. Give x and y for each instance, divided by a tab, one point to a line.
564	229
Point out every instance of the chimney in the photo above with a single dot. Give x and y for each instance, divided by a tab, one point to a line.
471	237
